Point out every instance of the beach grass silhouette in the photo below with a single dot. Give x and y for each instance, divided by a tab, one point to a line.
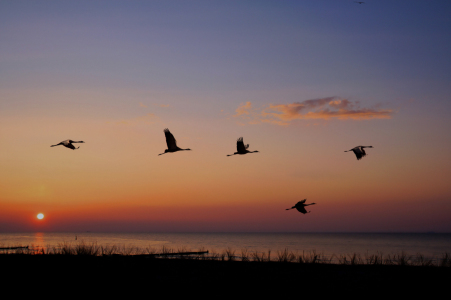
67	264
244	255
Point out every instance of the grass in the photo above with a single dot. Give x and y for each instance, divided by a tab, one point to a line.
284	256
84	265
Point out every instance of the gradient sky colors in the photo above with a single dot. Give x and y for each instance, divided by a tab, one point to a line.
300	81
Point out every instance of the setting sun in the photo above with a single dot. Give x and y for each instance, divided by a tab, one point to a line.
40	216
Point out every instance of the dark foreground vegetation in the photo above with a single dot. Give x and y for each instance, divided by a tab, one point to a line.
150	271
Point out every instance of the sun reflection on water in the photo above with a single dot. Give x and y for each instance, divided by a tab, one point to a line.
38	240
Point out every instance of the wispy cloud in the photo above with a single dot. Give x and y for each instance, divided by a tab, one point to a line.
248	114
324	108
243	109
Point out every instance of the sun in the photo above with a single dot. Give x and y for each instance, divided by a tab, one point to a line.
40	216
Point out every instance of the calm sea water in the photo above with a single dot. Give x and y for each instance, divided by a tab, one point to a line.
432	245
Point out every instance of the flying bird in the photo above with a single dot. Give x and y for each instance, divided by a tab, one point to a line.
171	142
68	144
300	206
359	2
359	151
241	148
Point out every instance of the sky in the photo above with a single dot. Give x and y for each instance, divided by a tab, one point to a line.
300	81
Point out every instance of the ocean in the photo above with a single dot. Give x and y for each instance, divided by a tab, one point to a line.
430	245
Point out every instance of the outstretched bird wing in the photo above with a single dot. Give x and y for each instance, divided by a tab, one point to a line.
359	152
302	201
170	140
240	145
301	209
69	145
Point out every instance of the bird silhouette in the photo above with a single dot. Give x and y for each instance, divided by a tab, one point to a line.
300	206
68	144
241	148
171	142
359	2
359	151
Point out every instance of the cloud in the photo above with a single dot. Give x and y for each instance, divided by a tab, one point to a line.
324	108
245	112
243	109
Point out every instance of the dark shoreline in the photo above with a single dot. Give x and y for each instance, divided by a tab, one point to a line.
160	271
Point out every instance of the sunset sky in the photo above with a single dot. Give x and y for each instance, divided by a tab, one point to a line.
300	81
